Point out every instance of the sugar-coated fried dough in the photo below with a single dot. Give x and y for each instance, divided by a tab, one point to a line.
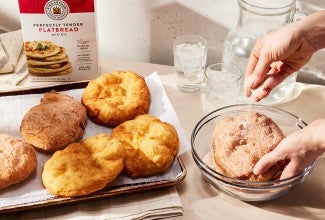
116	97
18	160
56	122
240	141
85	167
150	144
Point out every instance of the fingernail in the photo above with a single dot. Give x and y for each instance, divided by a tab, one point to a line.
256	99
248	92
254	96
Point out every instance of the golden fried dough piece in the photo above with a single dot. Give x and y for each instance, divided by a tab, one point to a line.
116	97
56	122
240	141
150	144
18	160
85	167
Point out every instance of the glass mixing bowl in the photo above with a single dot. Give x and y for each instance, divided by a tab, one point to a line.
201	144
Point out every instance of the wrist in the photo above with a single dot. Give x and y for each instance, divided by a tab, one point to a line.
313	29
318	138
319	144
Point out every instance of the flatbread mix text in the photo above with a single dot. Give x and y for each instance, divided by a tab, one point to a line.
60	39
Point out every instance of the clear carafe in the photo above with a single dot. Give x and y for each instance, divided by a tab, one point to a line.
257	18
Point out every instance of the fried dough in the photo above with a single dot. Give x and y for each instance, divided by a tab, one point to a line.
18	160
240	141
85	167
116	97
151	145
56	122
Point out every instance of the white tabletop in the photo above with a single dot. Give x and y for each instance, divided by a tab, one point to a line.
199	200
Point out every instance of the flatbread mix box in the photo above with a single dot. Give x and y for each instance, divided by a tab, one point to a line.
59	39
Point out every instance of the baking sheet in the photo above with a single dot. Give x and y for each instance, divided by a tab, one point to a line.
31	193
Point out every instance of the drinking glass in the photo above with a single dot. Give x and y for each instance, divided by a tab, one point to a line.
222	85
190	54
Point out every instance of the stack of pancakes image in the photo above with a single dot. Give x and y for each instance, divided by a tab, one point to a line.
44	58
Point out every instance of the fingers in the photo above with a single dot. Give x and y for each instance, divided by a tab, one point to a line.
249	81
272	80
270	159
250	74
256	72
265	163
299	149
292	149
292	168
277	73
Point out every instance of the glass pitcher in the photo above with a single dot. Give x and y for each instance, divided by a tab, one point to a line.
258	17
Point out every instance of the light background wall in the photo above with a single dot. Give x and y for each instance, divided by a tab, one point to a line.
143	30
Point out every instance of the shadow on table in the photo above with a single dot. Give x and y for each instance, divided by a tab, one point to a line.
299	202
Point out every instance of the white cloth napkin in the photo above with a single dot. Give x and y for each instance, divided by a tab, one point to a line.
13	67
156	204
11	45
150	205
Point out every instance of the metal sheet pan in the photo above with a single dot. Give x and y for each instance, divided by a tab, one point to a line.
122	185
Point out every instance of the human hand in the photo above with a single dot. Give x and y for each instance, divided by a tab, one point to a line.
300	149
273	58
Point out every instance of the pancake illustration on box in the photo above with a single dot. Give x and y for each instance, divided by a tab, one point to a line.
45	58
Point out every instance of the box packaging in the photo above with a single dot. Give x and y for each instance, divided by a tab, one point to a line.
59	39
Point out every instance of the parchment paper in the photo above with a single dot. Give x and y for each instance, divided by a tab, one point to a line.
13	109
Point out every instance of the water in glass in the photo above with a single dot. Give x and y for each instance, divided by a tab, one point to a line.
189	61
